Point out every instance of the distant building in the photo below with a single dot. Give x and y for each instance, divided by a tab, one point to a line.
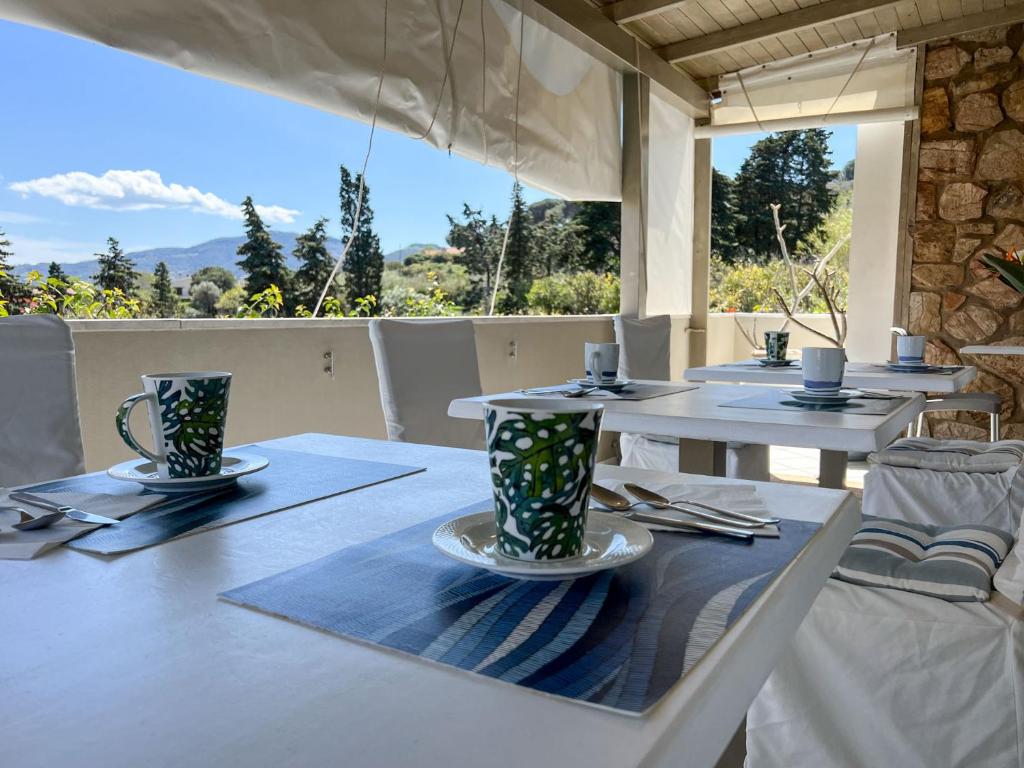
181	287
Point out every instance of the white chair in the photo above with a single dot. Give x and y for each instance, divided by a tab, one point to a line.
645	353
885	677
422	365
979	402
40	437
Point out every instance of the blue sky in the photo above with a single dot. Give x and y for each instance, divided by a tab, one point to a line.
93	138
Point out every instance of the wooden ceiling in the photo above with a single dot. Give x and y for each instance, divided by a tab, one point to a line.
707	38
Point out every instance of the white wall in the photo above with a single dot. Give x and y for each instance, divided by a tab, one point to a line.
876	210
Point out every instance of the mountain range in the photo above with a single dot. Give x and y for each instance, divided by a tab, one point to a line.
220	252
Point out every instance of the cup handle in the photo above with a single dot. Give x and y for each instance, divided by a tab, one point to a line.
595	366
125	431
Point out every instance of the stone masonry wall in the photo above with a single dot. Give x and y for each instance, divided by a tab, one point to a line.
970	201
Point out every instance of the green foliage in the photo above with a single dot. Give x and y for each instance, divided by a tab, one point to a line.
580	293
598	225
791	169
163	303
848	170
117	271
364	262
518	268
316	264
222	278
478	244
433	301
723	216
78	299
837	224
262	260
57	271
204	298
747	286
266	303
12	291
1009	269
232	300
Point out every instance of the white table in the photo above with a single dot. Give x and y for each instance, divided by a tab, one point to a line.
698	415
135	662
992	349
866	375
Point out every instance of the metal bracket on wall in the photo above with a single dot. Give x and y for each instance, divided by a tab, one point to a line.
329	368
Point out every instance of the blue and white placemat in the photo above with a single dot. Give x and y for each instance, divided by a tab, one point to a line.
293	478
781	401
619	639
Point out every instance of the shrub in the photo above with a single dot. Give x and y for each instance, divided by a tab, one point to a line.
581	293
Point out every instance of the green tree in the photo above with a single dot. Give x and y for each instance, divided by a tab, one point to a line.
364	262
558	243
204	298
518	269
117	270
316	265
599	227
723	216
219	276
472	236
12	290
262	261
848	170
56	271
791	169
164	302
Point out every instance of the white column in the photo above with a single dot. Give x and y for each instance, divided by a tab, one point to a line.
876	209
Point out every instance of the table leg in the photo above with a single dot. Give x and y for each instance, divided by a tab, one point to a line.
702	457
832	469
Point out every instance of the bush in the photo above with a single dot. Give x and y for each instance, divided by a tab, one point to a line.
581	293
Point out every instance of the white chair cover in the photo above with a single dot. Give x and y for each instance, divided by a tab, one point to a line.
422	365
40	437
645	347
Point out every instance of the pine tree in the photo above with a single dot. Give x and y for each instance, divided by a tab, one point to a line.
262	260
723	217
518	269
791	169
317	264
164	302
11	289
56	272
364	262
117	271
471	237
599	226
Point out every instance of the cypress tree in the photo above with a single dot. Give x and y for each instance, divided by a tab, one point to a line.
164	303
471	237
117	271
262	259
364	262
723	216
11	289
518	269
599	227
56	271
316	264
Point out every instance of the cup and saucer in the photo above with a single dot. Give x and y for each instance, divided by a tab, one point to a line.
187	415
763	361
824	368
909	355
541	529
614	386
601	364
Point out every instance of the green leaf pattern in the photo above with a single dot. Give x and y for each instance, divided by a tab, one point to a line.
541	467
192	414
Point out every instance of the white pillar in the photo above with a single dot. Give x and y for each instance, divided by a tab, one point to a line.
876	209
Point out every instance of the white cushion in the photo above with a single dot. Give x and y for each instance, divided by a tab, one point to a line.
40	438
422	365
952	455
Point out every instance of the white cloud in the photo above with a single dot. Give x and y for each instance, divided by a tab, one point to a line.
139	191
14	217
28	250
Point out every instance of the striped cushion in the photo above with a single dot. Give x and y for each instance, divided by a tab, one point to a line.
949	562
952	455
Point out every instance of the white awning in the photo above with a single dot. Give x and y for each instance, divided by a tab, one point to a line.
855	82
328	55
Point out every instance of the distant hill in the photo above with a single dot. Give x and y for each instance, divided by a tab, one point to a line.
220	252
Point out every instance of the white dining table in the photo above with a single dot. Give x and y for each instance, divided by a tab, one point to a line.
703	416
1008	350
859	375
134	661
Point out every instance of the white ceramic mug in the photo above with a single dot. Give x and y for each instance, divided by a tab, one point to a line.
910	349
601	362
823	369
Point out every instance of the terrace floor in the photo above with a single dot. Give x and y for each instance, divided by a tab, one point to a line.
800	465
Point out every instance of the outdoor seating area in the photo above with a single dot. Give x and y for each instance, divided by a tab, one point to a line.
660	537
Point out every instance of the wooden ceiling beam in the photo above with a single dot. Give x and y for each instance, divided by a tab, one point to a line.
833	10
587	26
625	11
976	22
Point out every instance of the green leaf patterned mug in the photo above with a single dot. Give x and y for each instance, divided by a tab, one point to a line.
187	412
542	455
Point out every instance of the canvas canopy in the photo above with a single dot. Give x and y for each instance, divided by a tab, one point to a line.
328	55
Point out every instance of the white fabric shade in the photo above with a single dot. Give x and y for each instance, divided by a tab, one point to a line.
328	55
833	81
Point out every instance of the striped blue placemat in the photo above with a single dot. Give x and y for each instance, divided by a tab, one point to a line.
293	478
619	639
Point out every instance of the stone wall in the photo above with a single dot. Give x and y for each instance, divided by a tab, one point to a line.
970	201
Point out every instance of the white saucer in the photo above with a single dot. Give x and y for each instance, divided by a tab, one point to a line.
774	363
907	367
610	541
819	398
233	466
610	386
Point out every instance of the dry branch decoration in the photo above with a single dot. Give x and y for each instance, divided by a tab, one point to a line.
820	278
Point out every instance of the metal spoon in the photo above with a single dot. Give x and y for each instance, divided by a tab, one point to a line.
624	506
579	392
658	501
29	523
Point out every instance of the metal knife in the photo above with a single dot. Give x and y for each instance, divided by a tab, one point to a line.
71	512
